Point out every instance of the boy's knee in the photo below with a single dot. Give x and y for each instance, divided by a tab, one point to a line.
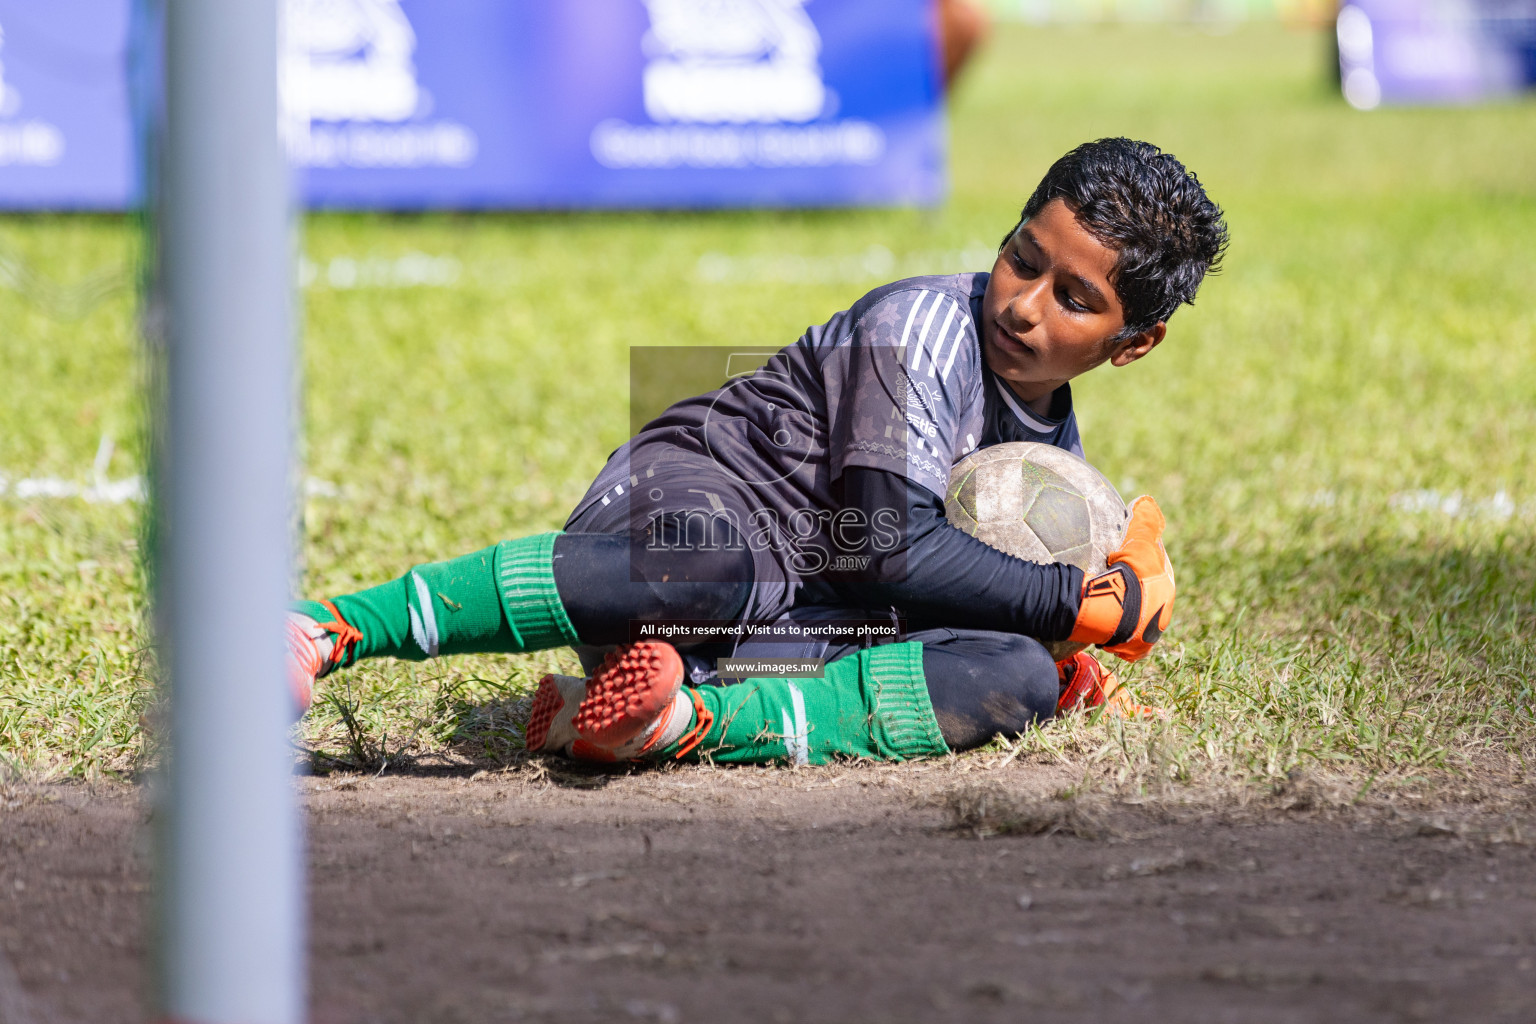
698	583
716	600
607	581
1023	678
1035	676
989	683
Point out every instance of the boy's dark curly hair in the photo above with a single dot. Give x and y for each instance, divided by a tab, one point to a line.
1145	205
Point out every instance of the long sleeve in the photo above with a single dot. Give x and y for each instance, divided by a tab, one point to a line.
929	569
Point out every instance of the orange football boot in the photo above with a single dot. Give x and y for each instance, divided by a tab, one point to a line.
634	704
315	649
1085	685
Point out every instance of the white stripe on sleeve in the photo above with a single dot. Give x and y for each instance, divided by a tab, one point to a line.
965	322
933	364
912	315
922	337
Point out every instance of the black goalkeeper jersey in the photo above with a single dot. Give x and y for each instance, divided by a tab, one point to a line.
896	382
832	461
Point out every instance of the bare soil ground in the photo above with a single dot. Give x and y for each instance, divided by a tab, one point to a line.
840	895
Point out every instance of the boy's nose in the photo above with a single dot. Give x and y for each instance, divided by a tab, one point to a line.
1025	308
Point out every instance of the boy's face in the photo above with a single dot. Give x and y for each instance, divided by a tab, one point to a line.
1050	312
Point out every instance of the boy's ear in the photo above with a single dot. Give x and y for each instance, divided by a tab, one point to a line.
1138	345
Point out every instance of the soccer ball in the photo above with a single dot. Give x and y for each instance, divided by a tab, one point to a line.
1039	503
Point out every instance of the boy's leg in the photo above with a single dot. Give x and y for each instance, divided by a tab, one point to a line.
872	704
943	690
979	682
608	581
548	590
501	598
985	683
658	536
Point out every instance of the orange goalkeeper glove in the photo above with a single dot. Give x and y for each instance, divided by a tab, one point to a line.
1126	609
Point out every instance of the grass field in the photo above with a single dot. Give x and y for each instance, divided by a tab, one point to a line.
1342	432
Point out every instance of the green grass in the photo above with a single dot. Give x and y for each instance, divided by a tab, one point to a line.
1370	341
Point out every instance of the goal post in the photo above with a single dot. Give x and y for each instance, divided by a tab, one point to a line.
230	883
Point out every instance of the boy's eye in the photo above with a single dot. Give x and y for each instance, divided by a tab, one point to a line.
1072	304
1023	264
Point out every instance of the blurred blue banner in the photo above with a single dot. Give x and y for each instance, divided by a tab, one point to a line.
65	133
521	103
1434	51
404	103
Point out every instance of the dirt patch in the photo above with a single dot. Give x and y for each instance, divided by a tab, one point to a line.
839	895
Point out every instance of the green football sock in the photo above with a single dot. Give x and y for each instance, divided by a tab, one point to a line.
873	704
501	599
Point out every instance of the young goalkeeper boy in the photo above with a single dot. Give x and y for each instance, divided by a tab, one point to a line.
743	504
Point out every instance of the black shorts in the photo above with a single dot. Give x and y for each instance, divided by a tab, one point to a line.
657	481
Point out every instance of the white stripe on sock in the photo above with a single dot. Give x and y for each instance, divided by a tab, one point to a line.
424	626
797	742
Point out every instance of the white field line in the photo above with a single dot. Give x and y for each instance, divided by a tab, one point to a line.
1451	505
116	492
100	490
411	270
341	273
106	492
